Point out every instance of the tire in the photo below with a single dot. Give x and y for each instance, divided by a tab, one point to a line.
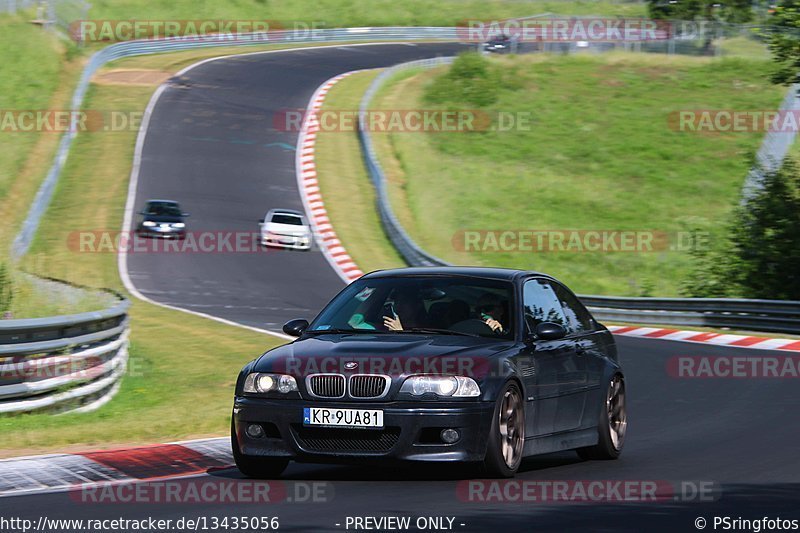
256	467
612	424
506	435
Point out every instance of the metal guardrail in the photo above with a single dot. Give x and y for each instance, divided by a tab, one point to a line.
136	48
70	362
756	315
403	243
606	308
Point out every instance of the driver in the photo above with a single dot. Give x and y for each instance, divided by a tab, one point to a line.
492	311
408	306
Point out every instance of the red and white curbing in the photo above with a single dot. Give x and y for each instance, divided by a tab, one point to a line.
61	472
58	472
720	339
306	171
344	265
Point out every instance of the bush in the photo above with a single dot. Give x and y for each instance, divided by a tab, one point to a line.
471	79
759	257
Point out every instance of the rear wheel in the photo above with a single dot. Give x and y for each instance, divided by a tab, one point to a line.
612	425
507	434
256	467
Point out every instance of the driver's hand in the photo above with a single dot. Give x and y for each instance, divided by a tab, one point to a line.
392	324
494	324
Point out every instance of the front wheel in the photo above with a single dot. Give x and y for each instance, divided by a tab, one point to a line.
507	434
256	467
612	425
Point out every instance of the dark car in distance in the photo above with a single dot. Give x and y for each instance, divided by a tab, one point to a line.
499	44
163	219
449	364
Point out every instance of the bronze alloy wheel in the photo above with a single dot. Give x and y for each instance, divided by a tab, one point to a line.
512	428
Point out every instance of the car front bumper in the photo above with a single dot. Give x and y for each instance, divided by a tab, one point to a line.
286	242
410	431
161	233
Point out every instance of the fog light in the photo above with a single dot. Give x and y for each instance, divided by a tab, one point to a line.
255	431
449	436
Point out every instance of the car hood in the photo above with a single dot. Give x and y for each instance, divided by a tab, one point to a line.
289	229
395	355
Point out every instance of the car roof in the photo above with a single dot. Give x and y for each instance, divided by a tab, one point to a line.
157	201
278	211
508	274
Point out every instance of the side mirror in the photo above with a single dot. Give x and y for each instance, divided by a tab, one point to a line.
260	220
142	212
550	331
295	327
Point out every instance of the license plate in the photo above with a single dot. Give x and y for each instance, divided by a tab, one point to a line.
353	418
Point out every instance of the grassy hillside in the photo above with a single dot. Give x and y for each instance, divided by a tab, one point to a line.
334	13
599	155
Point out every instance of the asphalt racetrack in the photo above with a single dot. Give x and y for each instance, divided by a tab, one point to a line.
714	447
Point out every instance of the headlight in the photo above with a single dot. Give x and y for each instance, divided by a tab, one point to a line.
448	386
259	383
179	225
148	223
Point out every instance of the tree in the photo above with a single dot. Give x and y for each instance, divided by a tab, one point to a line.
760	256
784	42
733	11
766	237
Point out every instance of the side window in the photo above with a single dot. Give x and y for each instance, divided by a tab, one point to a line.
578	318
541	304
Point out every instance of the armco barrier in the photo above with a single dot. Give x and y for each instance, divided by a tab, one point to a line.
136	48
755	315
70	362
773	148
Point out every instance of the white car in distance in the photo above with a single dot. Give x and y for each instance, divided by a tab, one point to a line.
285	228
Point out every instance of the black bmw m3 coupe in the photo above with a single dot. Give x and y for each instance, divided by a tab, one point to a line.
450	364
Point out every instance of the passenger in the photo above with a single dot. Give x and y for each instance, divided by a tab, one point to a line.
492	311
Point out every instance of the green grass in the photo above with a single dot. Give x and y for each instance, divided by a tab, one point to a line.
33	76
179	385
340	13
345	186
37	299
600	155
176	360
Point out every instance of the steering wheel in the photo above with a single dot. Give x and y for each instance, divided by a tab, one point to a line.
474	326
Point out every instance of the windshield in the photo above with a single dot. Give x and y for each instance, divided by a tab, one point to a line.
431	305
281	218
163	209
